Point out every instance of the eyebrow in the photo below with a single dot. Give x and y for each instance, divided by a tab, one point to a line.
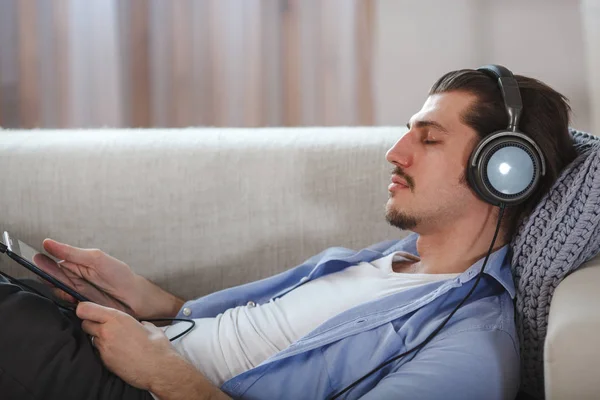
426	124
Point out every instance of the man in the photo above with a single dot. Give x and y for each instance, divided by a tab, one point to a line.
310	332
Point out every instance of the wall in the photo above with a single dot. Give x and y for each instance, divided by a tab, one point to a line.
418	41
590	11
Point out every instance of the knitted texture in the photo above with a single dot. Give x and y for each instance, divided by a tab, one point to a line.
562	233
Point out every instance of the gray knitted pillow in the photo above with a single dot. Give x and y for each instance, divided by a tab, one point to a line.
562	233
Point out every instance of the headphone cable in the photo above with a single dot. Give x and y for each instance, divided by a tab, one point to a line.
440	327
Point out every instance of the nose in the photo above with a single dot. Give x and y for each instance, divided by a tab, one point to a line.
401	152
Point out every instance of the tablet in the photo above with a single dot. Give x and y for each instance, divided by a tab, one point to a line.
34	261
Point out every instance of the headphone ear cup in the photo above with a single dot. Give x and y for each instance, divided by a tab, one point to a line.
505	168
475	179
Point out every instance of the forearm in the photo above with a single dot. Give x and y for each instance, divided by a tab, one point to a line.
154	302
179	380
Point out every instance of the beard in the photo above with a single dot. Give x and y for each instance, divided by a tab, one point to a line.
397	218
400	220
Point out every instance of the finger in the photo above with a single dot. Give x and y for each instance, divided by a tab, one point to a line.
47	265
56	292
73	270
95	312
67	252
153	330
88	289
150	326
91	328
64	296
81	283
45	282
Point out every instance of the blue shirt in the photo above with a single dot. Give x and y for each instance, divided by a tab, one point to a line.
475	356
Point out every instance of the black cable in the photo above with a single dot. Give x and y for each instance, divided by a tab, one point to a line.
440	327
193	324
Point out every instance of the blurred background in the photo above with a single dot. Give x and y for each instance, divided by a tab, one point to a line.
159	63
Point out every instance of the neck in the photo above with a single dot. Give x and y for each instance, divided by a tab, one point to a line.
454	247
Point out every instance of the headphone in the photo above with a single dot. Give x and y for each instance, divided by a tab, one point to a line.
506	166
504	169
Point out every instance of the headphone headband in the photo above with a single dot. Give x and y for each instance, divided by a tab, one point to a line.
507	165
510	92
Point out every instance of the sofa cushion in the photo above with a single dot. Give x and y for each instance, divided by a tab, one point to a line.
562	233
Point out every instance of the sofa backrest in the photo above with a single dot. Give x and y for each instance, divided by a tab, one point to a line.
198	210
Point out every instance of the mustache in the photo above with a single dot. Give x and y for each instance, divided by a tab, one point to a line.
400	172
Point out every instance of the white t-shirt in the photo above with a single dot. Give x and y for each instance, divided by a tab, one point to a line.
243	337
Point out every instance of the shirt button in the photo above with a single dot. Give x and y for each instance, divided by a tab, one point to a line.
251	304
187	312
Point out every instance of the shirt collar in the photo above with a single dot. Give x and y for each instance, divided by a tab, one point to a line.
498	265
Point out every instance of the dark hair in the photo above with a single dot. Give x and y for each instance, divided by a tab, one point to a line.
545	119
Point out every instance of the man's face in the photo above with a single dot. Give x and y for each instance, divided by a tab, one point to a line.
428	186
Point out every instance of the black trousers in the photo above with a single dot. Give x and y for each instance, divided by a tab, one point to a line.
44	354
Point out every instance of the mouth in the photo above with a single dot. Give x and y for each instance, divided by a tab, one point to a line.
397	184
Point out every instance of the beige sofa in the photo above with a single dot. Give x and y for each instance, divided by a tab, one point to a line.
198	210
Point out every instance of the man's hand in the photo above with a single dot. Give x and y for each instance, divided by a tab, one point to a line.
142	355
130	349
108	281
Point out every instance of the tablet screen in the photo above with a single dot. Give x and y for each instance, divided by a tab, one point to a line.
28	252
39	263
40	260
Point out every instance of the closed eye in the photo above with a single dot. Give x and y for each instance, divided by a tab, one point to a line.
430	141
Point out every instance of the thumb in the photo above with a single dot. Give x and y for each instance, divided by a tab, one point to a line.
149	325
67	252
153	330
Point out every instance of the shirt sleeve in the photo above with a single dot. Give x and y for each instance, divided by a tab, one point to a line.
480	364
